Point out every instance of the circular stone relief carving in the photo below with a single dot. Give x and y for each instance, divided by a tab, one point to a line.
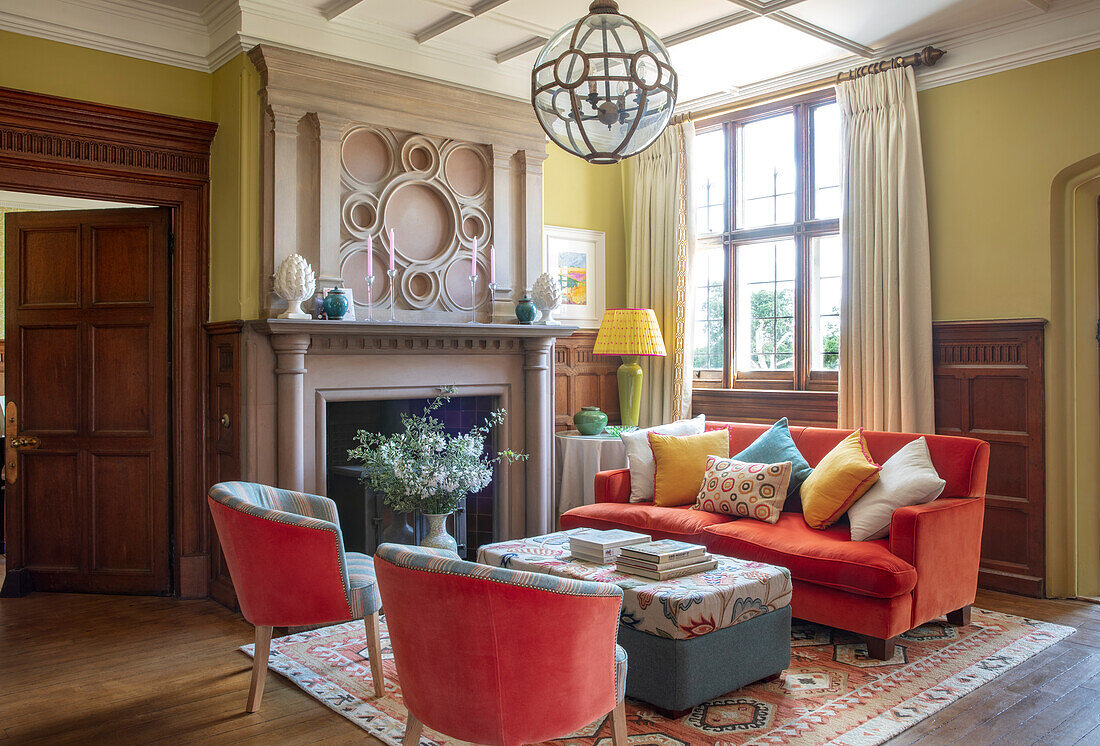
360	214
475	222
456	283
420	289
419	154
353	270
366	155
423	221
466	171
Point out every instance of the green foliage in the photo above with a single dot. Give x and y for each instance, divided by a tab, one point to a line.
424	467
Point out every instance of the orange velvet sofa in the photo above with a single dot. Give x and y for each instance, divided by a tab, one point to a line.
925	569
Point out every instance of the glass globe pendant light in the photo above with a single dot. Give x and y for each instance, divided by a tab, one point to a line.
603	87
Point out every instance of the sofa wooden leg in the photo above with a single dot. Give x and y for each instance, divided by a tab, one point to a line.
618	725
880	649
959	617
413	727
374	648
259	667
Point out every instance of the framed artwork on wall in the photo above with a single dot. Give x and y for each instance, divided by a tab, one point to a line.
576	257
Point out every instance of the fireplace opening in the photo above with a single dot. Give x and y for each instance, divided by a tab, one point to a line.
365	521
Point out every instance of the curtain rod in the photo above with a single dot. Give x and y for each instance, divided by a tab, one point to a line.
926	57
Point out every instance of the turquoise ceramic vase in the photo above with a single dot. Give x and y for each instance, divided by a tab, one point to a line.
590	421
525	310
336	304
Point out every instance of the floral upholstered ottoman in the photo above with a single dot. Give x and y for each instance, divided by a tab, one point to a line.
688	639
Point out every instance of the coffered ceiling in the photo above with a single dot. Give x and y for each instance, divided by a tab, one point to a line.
722	49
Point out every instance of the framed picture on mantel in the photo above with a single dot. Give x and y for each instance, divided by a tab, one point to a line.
576	257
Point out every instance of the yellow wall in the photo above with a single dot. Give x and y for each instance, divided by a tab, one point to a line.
229	97
993	151
235	192
32	64
576	194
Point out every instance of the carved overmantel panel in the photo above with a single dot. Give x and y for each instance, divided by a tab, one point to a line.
351	151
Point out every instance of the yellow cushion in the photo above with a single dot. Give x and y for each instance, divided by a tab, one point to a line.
680	462
841	478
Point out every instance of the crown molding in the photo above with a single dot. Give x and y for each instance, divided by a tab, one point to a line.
226	28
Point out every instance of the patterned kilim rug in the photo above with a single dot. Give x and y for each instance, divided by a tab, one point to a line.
832	693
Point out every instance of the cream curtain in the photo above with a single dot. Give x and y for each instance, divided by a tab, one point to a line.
886	320
660	240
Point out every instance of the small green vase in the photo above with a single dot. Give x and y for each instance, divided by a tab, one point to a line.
336	304
525	310
590	421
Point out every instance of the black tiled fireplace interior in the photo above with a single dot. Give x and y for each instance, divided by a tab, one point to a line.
364	521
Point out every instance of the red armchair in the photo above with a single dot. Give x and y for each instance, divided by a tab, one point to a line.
286	557
496	656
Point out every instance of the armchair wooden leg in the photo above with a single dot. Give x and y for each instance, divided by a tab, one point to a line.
374	647
413	727
880	649
959	617
259	667
618	725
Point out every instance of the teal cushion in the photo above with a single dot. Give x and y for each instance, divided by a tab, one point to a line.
774	447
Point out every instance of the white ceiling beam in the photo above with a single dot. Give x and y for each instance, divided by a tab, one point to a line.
520	49
1043	5
456	19
772	10
338	8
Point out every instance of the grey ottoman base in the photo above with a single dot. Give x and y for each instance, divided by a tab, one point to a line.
680	674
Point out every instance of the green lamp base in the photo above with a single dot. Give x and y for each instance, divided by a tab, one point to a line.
630	390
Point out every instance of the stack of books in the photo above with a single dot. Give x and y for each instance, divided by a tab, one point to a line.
664	559
602	547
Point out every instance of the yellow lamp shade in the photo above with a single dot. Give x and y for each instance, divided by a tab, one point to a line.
629	331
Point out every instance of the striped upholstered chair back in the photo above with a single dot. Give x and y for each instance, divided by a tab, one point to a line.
498	656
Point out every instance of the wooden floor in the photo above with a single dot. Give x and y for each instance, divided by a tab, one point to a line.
116	669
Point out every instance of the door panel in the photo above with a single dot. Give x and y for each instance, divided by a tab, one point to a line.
88	303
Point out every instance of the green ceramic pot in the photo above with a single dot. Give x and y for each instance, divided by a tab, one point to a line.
525	310
590	421
336	304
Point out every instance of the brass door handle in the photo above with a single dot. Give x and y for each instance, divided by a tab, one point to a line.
24	441
225	421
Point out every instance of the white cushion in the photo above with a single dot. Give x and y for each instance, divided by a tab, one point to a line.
639	456
907	478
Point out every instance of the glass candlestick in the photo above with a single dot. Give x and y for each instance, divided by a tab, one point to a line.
473	299
490	299
370	297
392	274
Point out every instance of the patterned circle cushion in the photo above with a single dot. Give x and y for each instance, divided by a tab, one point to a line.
744	490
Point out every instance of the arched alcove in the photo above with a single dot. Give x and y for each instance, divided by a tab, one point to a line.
1073	385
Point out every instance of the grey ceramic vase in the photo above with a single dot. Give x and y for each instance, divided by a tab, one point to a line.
437	536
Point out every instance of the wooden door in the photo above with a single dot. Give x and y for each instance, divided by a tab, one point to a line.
88	340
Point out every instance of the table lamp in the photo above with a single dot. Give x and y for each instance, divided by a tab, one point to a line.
629	332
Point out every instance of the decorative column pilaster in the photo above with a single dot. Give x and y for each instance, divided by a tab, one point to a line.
530	229
330	133
290	369
538	384
505	208
281	199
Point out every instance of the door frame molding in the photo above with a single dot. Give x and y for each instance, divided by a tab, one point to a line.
75	148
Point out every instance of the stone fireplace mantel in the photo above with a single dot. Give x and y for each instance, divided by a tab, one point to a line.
314	362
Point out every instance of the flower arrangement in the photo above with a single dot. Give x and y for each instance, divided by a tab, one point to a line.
424	467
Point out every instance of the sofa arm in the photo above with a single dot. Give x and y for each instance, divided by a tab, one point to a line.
613	486
943	541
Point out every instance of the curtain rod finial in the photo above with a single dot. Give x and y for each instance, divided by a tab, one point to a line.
930	55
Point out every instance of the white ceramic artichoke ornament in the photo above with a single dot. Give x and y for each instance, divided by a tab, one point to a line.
547	296
294	282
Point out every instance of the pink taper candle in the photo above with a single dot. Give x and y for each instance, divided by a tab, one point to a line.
391	248
473	258
492	266
370	257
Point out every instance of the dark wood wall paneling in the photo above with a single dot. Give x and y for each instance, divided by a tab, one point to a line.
989	385
223	453
582	379
765	406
